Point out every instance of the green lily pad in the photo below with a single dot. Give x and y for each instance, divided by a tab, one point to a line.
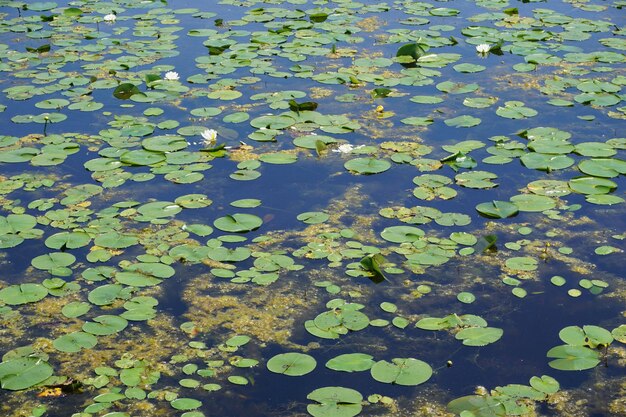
402	371
22	294
105	325
21	373
367	165
238	223
292	364
533	202
74	342
313	217
185	404
573	358
522	263
351	362
497	209
400	234
479	336
334	402
75	309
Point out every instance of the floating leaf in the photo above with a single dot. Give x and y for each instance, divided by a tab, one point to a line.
497	209
21	373
22	294
313	217
74	342
479	336
402	371
573	358
334	402
105	325
545	384
350	362
238	223
292	364
367	165
186	404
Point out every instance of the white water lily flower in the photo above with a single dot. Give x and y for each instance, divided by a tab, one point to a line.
483	48
172	76
110	17
209	136
346	148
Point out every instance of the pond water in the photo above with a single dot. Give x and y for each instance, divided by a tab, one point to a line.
326	208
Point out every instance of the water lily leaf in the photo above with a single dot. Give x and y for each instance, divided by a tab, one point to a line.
335	402
278	158
238	223
313	217
573	358
417	121
549	188
497	209
74	342
604	199
115	240
246	203
545	384
546	162
351	362
22	294
75	309
466	297
372	264
367	165
619	333
310	141
105	325
185	404
125	91
400	234
522	263
533	202
592	185
478	406
106	294
292	364
479	336
166	143
141	157
55	262
515	110
21	373
411	52
188	201
463	121
402	371
603	167
588	335
456	88
68	240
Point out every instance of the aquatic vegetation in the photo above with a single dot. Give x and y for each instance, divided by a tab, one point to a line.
418	185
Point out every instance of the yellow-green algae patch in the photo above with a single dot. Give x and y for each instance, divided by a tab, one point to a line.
264	314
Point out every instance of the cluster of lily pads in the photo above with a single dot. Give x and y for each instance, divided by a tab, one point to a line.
427	130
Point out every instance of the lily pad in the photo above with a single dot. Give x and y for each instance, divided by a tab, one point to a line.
334	402
292	364
367	165
21	373
479	336
238	223
351	362
402	371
